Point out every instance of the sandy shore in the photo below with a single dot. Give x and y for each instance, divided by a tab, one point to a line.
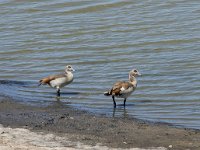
21	139
60	127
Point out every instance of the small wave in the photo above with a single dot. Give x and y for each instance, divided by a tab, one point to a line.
10	82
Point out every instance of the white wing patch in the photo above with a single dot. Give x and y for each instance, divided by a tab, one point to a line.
122	88
127	91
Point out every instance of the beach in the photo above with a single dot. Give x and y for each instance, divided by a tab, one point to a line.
60	127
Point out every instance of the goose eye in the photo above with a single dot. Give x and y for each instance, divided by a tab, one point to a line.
135	70
69	67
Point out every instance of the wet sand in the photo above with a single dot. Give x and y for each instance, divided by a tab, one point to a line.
69	124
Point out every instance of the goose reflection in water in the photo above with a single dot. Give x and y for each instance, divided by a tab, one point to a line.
121	111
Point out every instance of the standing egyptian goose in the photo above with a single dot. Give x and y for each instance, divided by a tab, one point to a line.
124	89
60	80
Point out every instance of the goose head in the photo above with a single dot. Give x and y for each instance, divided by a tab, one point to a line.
133	74
69	68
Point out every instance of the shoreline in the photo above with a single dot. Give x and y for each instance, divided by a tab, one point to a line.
90	129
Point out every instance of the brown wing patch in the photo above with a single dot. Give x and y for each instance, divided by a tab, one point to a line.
126	85
116	90
48	79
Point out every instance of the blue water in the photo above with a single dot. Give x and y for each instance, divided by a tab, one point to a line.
103	41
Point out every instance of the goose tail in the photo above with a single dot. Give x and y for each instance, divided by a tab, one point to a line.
40	83
108	93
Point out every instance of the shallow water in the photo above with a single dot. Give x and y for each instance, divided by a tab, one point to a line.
104	40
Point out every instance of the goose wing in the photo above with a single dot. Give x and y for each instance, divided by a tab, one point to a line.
121	87
48	79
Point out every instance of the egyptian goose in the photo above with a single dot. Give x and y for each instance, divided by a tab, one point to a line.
124	89
60	80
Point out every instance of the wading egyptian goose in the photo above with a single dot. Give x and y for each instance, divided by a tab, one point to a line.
124	89
60	80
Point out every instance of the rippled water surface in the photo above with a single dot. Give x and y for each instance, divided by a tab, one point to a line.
103	40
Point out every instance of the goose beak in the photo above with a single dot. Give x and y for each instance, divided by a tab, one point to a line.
139	74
